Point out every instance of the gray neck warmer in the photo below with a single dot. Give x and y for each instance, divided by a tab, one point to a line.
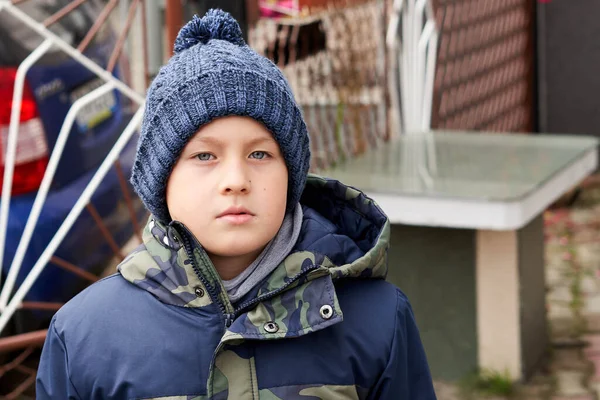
273	254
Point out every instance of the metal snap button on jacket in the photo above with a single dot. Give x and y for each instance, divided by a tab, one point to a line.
271	327
199	292
326	311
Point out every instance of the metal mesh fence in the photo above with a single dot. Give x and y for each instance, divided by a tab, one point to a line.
484	76
335	65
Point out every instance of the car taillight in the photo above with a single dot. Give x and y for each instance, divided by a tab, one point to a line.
32	149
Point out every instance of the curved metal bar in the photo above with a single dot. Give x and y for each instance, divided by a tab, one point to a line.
42	193
104	230
22	341
54	18
97	25
71	218
74	269
122	36
13	130
40	29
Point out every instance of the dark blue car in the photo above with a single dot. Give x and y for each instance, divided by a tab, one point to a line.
52	86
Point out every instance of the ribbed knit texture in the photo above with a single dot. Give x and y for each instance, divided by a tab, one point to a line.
214	74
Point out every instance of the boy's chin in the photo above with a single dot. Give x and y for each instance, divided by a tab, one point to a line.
236	248
237	253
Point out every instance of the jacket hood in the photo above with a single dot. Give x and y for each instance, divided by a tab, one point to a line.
344	235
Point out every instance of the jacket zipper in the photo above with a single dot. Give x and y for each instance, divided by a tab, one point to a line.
230	317
211	290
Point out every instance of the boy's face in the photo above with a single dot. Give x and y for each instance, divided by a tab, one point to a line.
229	187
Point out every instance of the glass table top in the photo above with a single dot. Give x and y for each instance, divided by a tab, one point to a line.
465	165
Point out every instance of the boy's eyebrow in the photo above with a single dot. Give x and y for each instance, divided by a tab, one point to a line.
206	139
219	142
262	140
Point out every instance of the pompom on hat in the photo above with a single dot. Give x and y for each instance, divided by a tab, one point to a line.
214	74
216	24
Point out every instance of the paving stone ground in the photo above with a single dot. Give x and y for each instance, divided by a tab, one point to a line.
572	371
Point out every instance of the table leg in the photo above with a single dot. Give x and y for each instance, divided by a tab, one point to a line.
478	296
510	293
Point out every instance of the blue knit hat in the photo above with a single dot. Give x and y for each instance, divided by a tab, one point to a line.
214	74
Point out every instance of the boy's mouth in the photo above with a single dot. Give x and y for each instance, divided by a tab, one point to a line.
235	211
236	216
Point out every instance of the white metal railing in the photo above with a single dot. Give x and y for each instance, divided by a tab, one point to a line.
8	305
11	145
45	187
85	197
412	40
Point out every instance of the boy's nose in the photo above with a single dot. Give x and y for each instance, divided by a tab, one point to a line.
235	180
236	188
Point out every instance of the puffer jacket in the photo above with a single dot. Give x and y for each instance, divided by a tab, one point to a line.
324	325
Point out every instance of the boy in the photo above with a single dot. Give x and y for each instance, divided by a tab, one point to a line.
254	281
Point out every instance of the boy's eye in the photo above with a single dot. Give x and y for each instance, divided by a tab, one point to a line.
204	156
259	155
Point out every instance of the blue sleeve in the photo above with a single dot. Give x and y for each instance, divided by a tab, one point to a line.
53	377
406	376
